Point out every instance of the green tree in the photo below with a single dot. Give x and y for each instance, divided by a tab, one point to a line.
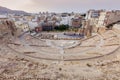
62	28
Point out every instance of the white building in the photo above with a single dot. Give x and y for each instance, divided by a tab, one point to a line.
3	17
66	20
93	16
22	25
32	25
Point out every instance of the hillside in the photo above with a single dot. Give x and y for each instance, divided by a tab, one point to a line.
4	10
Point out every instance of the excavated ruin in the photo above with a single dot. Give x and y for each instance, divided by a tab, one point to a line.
7	31
14	66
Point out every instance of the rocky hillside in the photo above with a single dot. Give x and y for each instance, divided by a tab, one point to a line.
4	10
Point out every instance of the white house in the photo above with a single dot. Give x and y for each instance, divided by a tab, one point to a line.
32	25
22	25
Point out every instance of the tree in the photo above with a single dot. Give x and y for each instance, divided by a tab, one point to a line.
62	27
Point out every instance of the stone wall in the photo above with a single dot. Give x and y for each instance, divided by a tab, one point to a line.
98	29
7	31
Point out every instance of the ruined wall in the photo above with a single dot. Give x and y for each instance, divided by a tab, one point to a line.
99	29
87	29
7	31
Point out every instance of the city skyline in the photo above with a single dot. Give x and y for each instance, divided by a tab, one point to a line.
60	5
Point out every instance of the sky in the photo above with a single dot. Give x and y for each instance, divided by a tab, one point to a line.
60	5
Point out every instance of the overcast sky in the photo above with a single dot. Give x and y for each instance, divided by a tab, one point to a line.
60	5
